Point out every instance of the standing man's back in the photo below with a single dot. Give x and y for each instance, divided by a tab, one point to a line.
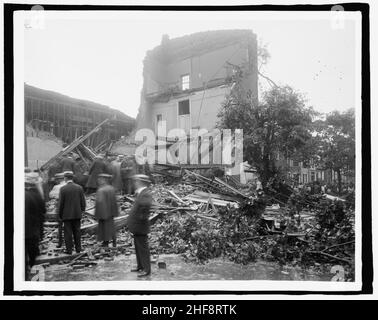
34	216
68	164
97	167
70	208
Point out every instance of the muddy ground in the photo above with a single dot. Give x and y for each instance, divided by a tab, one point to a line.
178	269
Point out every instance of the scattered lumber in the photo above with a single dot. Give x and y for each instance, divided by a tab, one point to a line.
203	194
330	256
330	197
232	189
73	145
55	259
338	245
119	223
176	197
216	202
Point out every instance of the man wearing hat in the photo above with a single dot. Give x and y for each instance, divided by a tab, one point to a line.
106	209
33	178
54	168
128	170
54	194
117	179
138	223
68	163
97	167
70	208
34	216
59	183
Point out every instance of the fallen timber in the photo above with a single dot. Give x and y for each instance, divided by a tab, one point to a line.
74	145
119	222
216	202
218	185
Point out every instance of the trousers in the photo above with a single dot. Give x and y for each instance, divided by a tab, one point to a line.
60	233
142	252
72	228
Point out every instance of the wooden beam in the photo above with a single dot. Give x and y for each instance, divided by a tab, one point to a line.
73	145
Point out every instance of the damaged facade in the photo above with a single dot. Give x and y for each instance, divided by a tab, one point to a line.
186	79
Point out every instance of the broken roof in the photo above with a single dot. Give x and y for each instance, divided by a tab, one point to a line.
198	43
56	97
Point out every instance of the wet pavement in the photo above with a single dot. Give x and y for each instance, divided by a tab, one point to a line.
178	269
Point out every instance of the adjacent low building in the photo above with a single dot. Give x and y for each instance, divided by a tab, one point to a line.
306	172
68	118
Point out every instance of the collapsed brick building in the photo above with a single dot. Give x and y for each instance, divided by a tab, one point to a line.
186	79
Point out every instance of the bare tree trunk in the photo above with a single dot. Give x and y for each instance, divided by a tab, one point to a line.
339	181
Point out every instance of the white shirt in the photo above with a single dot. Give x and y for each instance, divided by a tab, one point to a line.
54	193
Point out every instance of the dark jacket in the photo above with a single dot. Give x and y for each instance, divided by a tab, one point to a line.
53	170
116	181
106	203
108	168
68	164
128	168
138	221
80	178
71	201
34	214
98	166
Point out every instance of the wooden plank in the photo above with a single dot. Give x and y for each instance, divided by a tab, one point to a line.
81	156
74	144
203	194
88	150
119	223
230	188
176	196
55	259
216	202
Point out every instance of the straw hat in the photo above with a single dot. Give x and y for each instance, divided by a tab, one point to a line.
142	178
68	174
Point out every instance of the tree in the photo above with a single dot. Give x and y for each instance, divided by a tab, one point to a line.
336	143
279	123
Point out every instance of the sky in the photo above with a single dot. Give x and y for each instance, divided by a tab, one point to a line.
99	56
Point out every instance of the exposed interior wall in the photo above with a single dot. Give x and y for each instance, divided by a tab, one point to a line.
202	68
204	116
209	61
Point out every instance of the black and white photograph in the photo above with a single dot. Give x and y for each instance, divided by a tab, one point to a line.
187	149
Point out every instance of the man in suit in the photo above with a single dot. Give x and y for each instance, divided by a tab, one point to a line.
128	170
105	210
68	163
34	216
52	171
138	223
116	171
70	208
98	166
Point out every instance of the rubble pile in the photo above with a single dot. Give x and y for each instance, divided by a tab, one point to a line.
202	218
243	237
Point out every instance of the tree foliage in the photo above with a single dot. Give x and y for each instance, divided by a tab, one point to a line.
334	143
279	123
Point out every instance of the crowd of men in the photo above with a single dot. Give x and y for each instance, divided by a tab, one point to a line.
67	184
122	168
